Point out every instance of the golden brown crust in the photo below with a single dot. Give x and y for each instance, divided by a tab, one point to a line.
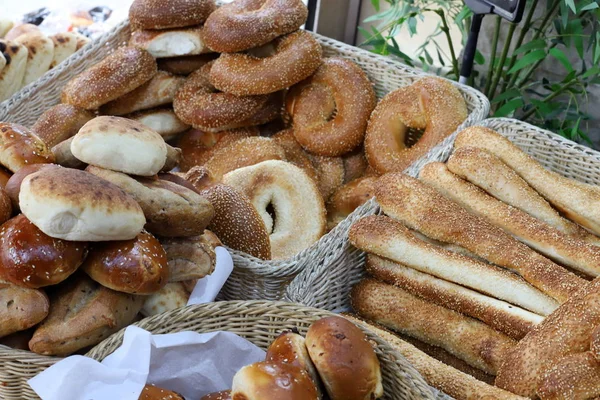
330	171
189	258
422	208
224	395
64	157
348	198
430	104
185	65
576	376
21	308
157	14
355	165
13	186
246	24
21	147
119	73
151	392
354	100
345	359
60	122
295	154
31	259
5	175
296	57
137	266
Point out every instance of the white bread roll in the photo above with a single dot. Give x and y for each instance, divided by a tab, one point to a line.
41	54
12	74
119	144
163	121
75	205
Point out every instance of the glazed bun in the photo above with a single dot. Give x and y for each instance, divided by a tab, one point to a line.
120	144
346	361
137	266
273	381
6	208
224	395
13	186
4	177
75	205
21	147
157	14
31	259
152	392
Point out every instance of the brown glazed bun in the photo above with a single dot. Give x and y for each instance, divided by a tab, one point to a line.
13	186
60	122
137	266
5	175
31	259
224	395
152	392
273	381
345	360
158	14
119	73
6	208
245	24
21	147
21	309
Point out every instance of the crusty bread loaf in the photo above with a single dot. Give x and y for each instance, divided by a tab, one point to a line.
11	76
162	120
21	308
40	55
156	14
64	203
119	73
120	144
575	376
60	122
171	43
189	257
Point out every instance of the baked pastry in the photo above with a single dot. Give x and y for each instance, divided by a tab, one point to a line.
185	65
21	147
173	295
63	203
21	29
64	157
20	308
575	376
40	53
223	395
60	122
171	42
11	76
348	198
13	185
65	44
156	14
189	257
151	392
162	120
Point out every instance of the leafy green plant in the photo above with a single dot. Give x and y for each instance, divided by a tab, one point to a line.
508	75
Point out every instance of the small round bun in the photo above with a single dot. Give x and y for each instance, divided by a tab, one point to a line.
137	266
273	381
159	14
75	205
32	259
345	359
224	395
13	186
21	147
120	144
152	392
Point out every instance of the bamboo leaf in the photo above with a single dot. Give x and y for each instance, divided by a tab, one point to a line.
509	94
572	6
509	108
528	60
591	6
562	58
479	58
595	70
534	45
375	4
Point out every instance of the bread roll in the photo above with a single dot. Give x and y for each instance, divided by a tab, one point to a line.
273	381
13	186
21	147
348	198
156	92
39	57
6	209
137	266
83	313
65	44
152	392
171	210
189	257
64	203
173	295
171	43
120	145
11	76
156	14
31	259
21	308
5	175
119	73
185	65
576	376
21	29
64	156
60	122
345	360
224	395
163	121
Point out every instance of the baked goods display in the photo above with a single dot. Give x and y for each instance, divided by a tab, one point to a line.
26	54
474	259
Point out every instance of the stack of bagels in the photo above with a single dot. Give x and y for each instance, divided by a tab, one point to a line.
485	263
26	54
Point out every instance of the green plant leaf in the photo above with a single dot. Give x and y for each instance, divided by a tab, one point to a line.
595	70
561	57
572	6
534	45
527	60
375	4
509	108
509	94
591	6
479	58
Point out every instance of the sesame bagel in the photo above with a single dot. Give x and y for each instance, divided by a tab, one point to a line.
245	24
296	57
354	97
158	14
430	104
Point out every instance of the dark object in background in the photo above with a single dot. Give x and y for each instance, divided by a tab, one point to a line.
36	17
100	13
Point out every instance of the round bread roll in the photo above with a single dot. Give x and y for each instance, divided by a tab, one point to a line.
75	205
60	122
6	208
21	147
119	73
120	144
152	392
273	381
224	395
158	14
345	359
13	185
29	258
137	266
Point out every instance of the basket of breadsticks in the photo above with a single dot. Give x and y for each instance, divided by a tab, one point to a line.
479	267
305	359
253	110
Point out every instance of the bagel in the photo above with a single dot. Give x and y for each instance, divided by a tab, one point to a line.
197	146
199	104
295	154
158	14
185	65
270	111
331	173
298	213
296	57
354	97
348	198
355	165
245	24
430	104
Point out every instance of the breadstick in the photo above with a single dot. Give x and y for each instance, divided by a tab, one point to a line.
448	246
388	238
437	374
565	331
549	241
487	171
466	338
422	208
504	317
576	376
579	202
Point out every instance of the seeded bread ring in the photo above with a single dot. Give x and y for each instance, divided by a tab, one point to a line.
158	14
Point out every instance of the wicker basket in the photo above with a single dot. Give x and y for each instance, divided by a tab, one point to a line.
258	321
328	287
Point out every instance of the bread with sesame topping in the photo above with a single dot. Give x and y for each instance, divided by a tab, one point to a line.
576	376
245	24
151	392
185	65
171	42
60	122
119	73
159	14
21	147
223	395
